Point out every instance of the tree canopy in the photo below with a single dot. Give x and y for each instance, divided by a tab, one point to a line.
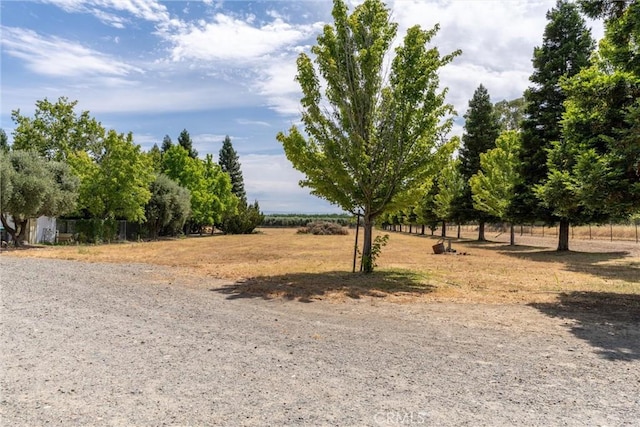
566	48
56	131
230	163
369	140
32	186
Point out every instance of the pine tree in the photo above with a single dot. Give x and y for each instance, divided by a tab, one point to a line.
566	48
481	129
229	162
166	144
184	140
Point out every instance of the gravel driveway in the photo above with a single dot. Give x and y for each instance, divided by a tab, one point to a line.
120	345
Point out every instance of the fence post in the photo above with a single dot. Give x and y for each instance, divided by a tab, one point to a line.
611	230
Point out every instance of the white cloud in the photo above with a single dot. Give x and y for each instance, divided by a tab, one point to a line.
149	10
246	122
54	56
231	39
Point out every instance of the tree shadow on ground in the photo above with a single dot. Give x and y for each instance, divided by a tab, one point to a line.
608	321
598	264
307	287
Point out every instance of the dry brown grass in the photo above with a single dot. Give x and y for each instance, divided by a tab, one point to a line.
281	263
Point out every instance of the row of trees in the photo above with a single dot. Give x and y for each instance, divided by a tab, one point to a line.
567	152
63	163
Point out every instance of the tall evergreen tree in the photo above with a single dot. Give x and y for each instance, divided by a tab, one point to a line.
481	129
566	48
594	171
184	140
166	144
230	163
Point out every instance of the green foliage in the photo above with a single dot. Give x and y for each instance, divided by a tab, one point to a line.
492	186
566	48
449	186
184	140
298	220
155	156
4	141
369	141
481	129
510	113
56	131
96	230
168	208
166	144
230	163
116	183
323	228
32	186
244	221
210	188
376	249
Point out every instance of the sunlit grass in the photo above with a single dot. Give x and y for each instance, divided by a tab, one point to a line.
281	263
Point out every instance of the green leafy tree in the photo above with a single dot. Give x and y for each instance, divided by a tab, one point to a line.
32	186
481	129
155	156
4	141
168	208
56	131
115	184
244	221
566	48
229	162
594	171
510	113
369	140
449	187
184	140
210	188
493	185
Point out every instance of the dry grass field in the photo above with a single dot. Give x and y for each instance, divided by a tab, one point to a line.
278	263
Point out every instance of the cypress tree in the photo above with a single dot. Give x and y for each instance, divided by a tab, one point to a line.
566	48
481	129
230	163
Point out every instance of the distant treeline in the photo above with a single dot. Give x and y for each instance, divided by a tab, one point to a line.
301	220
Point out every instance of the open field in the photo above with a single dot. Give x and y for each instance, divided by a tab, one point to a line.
281	263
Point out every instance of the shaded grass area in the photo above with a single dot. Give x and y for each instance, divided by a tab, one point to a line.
306	287
608	321
615	265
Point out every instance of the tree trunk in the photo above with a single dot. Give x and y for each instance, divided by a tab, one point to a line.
422	232
512	238
444	229
563	235
366	265
481	232
459	227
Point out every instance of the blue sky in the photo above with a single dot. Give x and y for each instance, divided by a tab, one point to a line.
221	68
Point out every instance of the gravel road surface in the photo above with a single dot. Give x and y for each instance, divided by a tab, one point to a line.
136	345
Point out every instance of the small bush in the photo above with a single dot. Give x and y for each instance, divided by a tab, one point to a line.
323	228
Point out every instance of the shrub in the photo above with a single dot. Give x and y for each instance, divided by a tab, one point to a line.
323	228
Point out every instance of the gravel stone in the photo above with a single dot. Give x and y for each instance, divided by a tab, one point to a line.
88	344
